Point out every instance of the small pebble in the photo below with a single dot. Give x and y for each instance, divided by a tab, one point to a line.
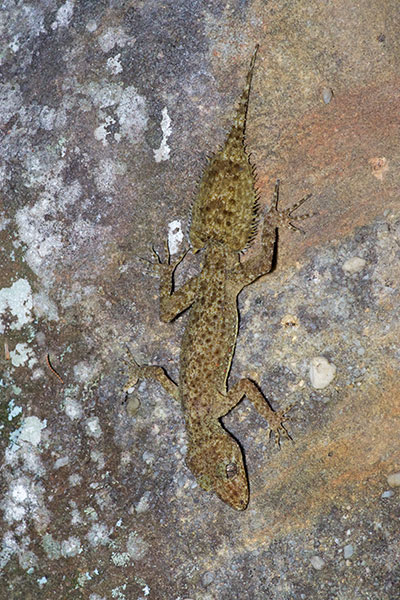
148	457
132	406
322	372
207	578
394	479
355	264
327	95
348	551
317	562
387	494
61	462
379	166
289	321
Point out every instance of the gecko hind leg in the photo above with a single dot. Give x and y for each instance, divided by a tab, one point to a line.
246	387
137	372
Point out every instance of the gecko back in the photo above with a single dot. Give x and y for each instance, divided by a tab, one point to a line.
225	209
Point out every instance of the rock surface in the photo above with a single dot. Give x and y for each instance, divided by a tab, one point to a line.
107	113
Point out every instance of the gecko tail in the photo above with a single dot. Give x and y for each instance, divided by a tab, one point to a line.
240	120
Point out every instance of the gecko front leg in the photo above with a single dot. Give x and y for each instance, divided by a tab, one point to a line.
172	303
246	387
261	264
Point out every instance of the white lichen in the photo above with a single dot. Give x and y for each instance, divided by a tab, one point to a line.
31	430
21	355
16	301
111	37
162	153
73	409
71	547
63	15
114	64
136	546
92	427
175	236
98	535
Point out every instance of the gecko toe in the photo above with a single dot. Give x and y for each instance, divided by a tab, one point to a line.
276	425
133	370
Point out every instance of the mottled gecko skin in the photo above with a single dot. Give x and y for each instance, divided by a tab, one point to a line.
223	224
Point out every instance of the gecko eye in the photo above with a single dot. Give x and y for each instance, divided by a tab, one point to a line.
231	470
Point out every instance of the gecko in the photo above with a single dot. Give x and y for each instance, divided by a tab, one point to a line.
223	224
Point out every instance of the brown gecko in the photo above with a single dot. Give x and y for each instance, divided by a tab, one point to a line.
224	222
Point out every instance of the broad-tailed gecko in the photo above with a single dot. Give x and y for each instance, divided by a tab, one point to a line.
224	222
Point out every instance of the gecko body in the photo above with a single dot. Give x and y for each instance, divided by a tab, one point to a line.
224	222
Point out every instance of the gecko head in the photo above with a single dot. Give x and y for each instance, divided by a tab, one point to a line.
218	465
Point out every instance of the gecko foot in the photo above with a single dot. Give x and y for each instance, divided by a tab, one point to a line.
154	372
166	263
276	426
134	371
285	217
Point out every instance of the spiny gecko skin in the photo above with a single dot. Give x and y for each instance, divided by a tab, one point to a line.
224	222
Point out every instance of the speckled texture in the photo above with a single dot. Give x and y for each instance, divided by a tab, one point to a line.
97	501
